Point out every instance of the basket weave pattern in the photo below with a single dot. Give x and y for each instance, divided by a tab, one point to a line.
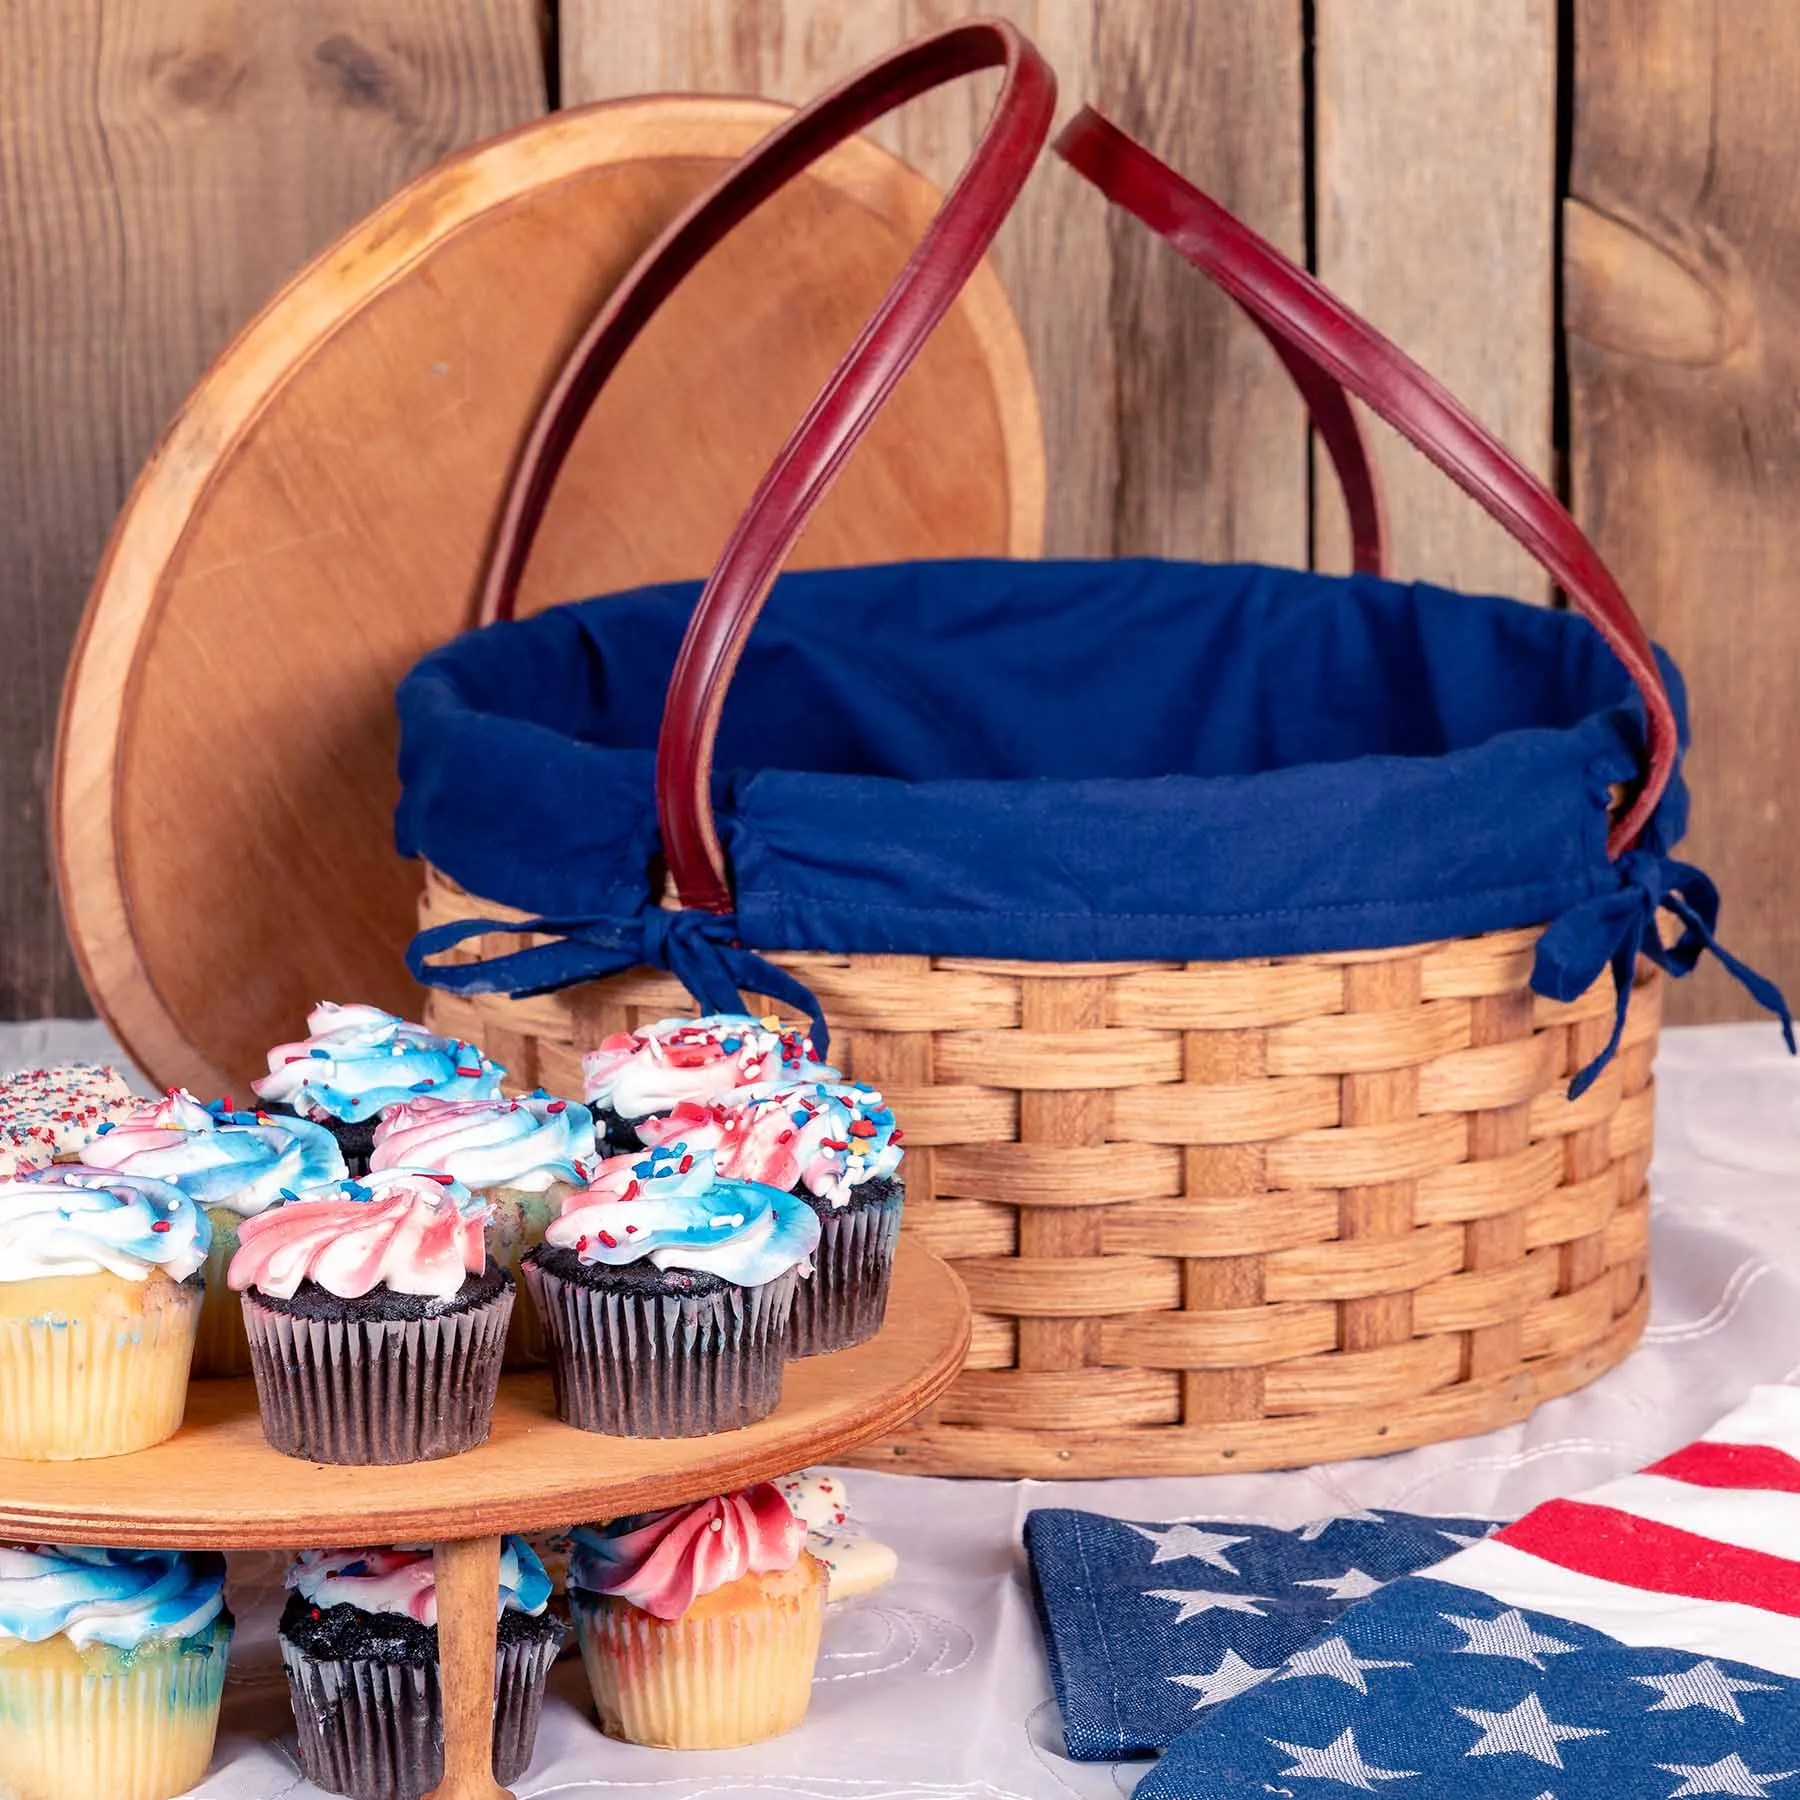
1218	1217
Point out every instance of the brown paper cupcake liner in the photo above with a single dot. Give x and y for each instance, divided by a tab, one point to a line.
377	1391
846	1300
375	1730
664	1365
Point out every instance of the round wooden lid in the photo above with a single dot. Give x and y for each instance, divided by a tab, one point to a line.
316	516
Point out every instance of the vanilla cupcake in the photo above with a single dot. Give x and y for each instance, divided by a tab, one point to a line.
46	1115
836	1145
635	1075
521	1158
666	1292
376	1319
359	1642
100	1295
357	1061
699	1626
112	1667
233	1165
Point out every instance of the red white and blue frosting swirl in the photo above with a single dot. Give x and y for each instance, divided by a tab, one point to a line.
242	1162
125	1598
827	1137
675	1211
358	1060
638	1073
407	1230
70	1220
403	1580
530	1144
662	1562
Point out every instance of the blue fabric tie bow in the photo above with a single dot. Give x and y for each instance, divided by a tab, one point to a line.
1614	929
700	949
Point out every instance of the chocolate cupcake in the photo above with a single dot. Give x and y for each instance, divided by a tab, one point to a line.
377	1320
836	1145
636	1075
520	1158
359	1642
665	1292
232	1165
359	1060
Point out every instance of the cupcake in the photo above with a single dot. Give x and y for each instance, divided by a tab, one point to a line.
854	1562
635	1075
233	1165
835	1144
665	1291
376	1318
522	1158
359	1641
112	1665
358	1060
99	1303
699	1627
46	1115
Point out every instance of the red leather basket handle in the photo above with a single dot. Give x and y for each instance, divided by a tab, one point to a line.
809	463
1300	312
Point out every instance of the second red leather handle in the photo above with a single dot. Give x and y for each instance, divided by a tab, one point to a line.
1305	314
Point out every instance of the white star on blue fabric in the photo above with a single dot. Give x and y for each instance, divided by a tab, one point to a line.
1176	1543
1195	1601
1729	1775
1314	1529
1509	1635
1353	1584
1340	1760
1523	1730
1232	1677
1334	1658
1705	1684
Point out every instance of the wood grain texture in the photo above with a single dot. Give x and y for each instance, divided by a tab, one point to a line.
468	1581
162	174
1683	258
1436	194
1173	428
217	1482
317	519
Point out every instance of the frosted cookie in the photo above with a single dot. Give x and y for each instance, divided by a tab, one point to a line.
47	1113
856	1564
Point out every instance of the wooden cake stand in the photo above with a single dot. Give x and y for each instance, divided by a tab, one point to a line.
217	1485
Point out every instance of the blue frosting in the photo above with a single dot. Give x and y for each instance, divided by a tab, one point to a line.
125	1598
73	1220
243	1162
360	1059
678	1213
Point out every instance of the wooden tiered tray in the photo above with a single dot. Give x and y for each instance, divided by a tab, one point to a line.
217	1484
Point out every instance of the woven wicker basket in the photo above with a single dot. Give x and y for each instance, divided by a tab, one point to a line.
1228	1216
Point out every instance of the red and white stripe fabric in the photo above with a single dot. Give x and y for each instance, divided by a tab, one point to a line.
1700	1551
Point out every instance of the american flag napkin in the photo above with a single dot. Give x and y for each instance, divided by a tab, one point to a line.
1146	1625
1639	1642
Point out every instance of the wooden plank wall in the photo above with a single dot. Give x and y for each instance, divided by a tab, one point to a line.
164	166
165	163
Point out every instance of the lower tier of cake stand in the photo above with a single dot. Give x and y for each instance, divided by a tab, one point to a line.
217	1485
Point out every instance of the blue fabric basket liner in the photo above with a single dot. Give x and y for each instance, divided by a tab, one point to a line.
1058	761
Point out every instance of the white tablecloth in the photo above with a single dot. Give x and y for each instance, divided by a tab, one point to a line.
936	1687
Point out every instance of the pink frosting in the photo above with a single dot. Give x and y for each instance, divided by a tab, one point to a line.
755	1143
413	1234
663	1562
